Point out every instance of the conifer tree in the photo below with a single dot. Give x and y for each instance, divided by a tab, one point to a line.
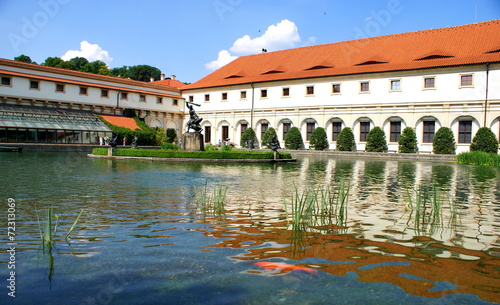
375	140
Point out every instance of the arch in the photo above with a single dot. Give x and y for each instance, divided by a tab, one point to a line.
239	130
307	127
172	125
281	131
425	128
155	123
392	130
333	127
464	127
495	127
261	128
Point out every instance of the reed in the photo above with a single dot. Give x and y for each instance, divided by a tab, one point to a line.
211	203
48	234
478	158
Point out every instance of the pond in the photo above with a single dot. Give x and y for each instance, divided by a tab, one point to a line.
404	233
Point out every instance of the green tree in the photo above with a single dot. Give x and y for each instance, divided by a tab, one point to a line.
79	62
68	65
293	139
375	140
52	61
319	140
93	67
268	135
23	58
485	140
144	73
444	142
345	140
249	134
408	141
122	72
171	135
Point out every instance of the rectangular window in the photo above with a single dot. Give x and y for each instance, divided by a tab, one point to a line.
175	102
243	128
395	131
124	96
243	95
225	133
6	81
310	128
286	128
142	98
34	84
310	90
395	85
466	80
224	96
336	128
364	129
335	88
263	93
208	134
207	98
104	93
464	131
428	135
83	90
429	82
263	129
159	100
286	92
191	98
59	87
364	87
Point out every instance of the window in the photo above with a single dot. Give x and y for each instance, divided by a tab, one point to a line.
336	128
159	100
142	98
429	82
207	98
395	131
225	133
335	88
104	93
286	128
310	90
83	90
364	87
464	131
191	98
310	128
263	129
243	95
34	84
224	96
364	129
286	92
6	81
466	80
428	135
59	88
208	134
124	95
395	85
243	128
263	93
175	102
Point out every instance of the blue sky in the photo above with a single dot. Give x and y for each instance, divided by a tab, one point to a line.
192	38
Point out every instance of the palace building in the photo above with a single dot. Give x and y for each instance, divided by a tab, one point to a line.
426	79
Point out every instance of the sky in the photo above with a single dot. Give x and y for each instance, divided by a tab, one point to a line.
192	38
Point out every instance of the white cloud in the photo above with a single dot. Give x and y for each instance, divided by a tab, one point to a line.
224	58
283	35
89	51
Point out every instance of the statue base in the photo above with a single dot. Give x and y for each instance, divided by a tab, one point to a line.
192	141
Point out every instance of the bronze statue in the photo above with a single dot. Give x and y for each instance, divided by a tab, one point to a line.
194	120
114	140
275	144
134	143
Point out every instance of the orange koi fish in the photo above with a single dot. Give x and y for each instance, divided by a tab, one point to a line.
284	268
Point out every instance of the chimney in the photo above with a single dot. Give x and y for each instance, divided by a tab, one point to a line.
152	79
162	76
172	77
263	51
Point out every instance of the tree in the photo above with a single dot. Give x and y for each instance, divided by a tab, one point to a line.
52	61
345	140
79	62
23	58
484	140
293	139
408	141
249	134
93	67
68	65
268	135
171	135
319	140
375	140
122	72
144	73
444	142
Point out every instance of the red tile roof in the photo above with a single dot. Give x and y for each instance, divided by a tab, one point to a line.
170	83
454	46
121	121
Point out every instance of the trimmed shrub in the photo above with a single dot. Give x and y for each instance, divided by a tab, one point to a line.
485	140
170	146
293	139
444	142
159	153
249	134
408	141
319	140
268	135
171	135
375	140
345	140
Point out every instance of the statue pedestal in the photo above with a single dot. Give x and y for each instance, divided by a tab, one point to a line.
192	141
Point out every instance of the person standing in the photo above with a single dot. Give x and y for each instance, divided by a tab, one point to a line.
124	141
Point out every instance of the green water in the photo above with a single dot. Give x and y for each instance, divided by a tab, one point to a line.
140	239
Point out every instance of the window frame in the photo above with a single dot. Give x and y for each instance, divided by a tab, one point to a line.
123	96
427	134
336	129
206	98
364	129
62	88
391	82
310	126
310	90
243	95
465	136
104	95
84	90
461	80
424	87
8	78
285	92
286	128
159	100
361	83
34	81
339	88
394	131
263	93
223	96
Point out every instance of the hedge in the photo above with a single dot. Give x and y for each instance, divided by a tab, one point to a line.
159	153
